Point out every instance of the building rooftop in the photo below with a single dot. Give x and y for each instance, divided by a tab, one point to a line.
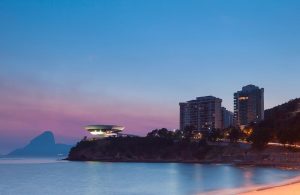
104	130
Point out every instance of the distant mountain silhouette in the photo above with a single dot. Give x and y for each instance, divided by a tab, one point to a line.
42	145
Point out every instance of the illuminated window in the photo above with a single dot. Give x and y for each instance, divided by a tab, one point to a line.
243	98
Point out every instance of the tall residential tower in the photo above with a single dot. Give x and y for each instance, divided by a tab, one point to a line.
248	105
203	113
227	118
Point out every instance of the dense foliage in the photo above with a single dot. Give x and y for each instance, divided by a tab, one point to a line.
281	124
138	149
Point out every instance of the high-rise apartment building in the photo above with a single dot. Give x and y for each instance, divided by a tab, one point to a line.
227	118
203	113
248	105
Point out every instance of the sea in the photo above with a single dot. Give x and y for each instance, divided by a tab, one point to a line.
30	176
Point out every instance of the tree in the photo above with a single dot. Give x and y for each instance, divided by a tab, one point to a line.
161	133
178	134
215	134
153	133
282	136
288	132
188	132
234	134
260	137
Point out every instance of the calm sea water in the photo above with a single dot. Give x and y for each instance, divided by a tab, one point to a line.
50	176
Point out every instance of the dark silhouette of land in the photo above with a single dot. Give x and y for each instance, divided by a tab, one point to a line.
42	145
138	149
281	124
231	145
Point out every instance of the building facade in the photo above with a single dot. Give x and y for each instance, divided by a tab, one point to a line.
248	105
227	118
203	113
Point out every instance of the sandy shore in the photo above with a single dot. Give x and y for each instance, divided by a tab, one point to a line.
290	187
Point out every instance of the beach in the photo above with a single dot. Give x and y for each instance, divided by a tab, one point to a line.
290	187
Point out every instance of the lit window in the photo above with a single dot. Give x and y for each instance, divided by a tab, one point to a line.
243	98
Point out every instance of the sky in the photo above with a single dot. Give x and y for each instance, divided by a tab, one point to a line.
65	64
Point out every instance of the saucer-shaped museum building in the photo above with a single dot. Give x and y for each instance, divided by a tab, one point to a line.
104	130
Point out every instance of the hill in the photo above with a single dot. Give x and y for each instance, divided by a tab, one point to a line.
285	111
284	118
42	145
281	124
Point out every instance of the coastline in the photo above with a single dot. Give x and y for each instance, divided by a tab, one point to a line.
290	186
287	187
233	163
145	150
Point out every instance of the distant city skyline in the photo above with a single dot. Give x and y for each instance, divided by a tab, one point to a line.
67	64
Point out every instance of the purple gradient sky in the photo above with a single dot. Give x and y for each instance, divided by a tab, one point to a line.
66	64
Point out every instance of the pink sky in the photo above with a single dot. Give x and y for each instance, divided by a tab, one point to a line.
29	109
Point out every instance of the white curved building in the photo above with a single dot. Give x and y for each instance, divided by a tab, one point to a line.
104	130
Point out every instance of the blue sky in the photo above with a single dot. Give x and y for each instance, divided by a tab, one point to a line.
137	59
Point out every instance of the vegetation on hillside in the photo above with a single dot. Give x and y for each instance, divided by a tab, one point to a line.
281	124
138	149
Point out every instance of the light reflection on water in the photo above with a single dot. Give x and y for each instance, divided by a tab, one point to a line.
29	160
51	176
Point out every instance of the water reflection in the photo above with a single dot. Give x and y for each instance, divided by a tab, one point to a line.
248	177
128	178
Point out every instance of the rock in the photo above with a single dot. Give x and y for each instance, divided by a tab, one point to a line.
42	145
